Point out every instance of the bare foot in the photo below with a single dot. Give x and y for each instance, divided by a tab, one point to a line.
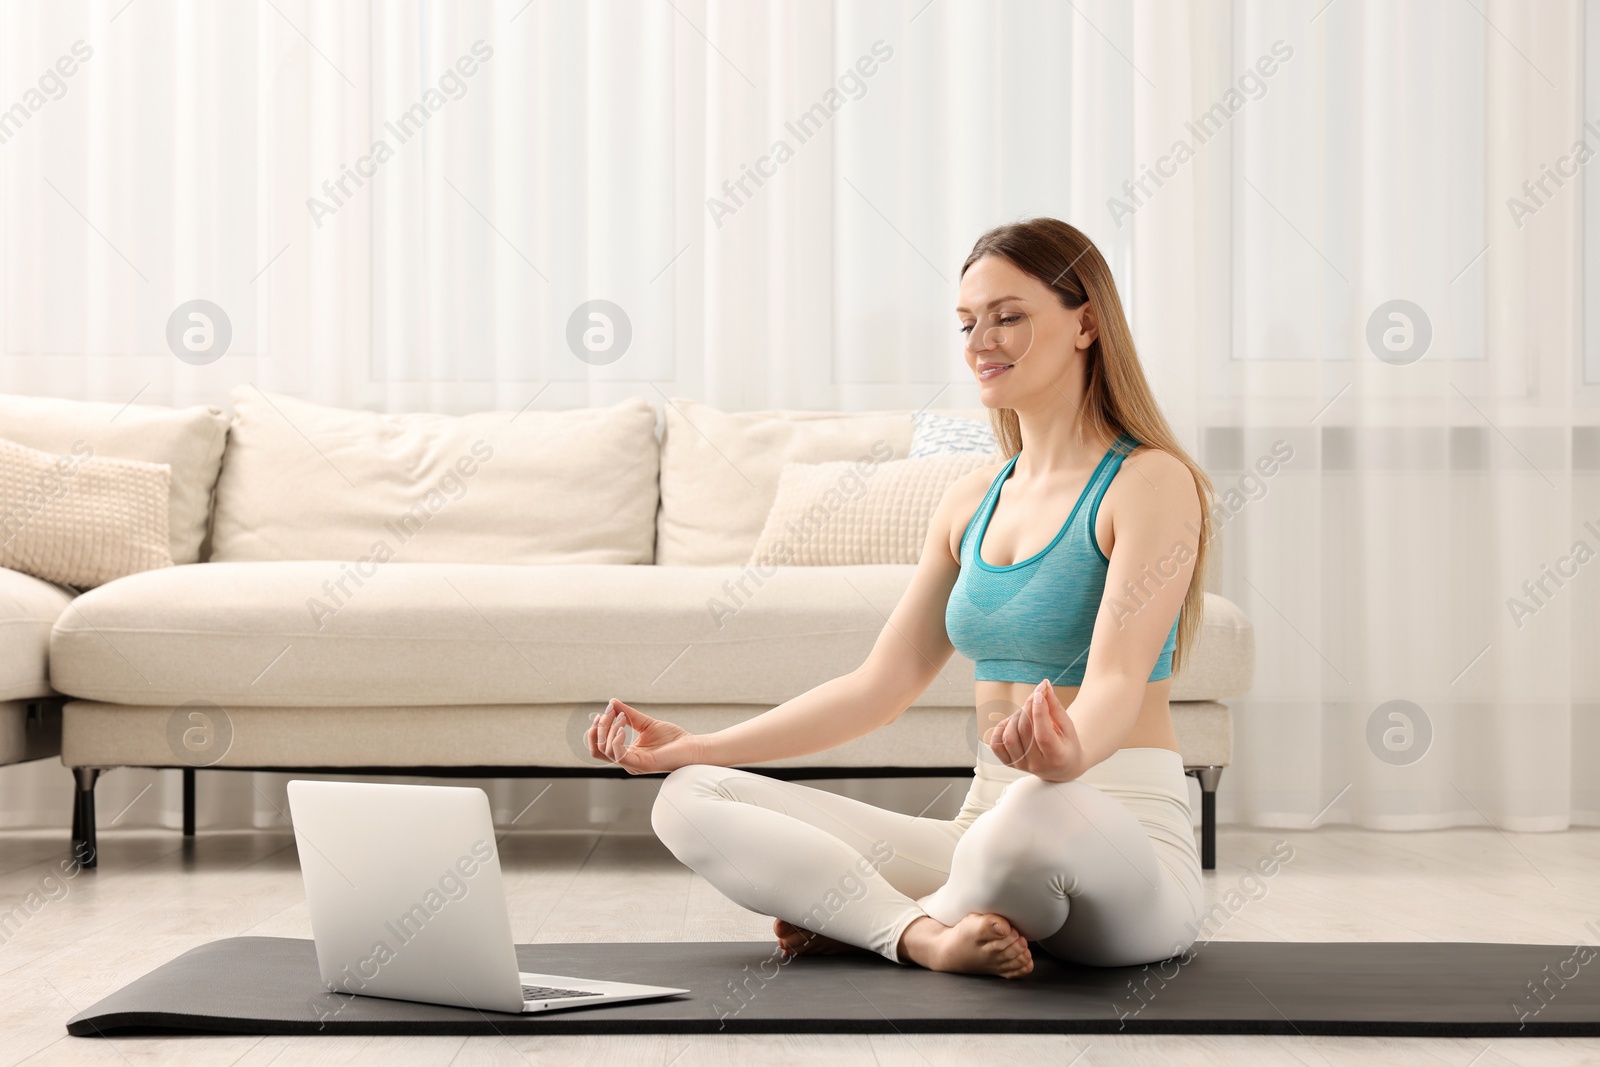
981	943
798	941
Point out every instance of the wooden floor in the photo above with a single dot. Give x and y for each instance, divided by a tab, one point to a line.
151	900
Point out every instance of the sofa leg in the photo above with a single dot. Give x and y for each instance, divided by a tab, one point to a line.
1208	778
84	844
188	802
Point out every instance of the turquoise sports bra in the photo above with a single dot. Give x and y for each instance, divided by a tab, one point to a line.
1033	619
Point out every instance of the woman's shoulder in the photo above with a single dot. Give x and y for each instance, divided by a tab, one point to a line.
1153	468
1153	461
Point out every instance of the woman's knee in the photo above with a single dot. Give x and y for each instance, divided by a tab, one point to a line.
1065	807
1006	840
1031	829
679	793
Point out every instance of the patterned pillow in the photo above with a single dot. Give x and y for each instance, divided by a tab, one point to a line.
79	519
938	434
845	513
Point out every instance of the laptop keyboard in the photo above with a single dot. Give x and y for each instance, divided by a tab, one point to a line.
545	992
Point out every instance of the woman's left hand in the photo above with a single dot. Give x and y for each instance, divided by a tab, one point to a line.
1039	738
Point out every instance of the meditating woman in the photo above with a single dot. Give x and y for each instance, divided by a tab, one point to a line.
1076	832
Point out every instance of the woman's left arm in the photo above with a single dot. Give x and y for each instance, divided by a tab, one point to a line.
1155	518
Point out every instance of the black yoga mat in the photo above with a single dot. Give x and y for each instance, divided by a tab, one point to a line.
269	985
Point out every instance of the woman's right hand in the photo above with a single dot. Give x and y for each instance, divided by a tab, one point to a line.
660	746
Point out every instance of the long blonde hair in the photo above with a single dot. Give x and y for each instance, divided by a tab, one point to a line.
1117	398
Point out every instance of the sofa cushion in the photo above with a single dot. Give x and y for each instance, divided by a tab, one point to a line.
940	433
840	513
719	470
420	634
189	440
303	481
81	520
28	608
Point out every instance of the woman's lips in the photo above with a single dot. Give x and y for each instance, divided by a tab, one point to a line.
993	371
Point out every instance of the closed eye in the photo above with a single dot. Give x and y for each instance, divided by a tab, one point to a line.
1005	320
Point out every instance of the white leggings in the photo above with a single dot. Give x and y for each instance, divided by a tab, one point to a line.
1102	870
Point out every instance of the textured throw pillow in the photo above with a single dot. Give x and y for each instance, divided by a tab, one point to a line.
188	440
935	433
719	470
79	519
844	513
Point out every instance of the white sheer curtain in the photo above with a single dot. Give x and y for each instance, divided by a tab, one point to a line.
1334	157
1383	562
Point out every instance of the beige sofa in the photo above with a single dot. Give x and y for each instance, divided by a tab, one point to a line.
609	558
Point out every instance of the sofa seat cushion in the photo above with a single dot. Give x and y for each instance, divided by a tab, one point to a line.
304	634
29	607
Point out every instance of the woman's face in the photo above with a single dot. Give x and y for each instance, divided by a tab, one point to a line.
1008	314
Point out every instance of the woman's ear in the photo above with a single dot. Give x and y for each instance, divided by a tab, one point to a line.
1088	325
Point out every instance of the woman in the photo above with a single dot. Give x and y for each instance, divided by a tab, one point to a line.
1076	832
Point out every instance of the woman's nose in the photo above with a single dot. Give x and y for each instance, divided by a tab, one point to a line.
987	338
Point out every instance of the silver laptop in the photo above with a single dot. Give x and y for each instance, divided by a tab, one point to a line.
406	901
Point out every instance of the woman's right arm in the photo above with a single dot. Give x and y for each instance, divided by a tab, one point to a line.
907	656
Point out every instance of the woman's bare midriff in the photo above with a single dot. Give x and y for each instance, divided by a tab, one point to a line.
1153	729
